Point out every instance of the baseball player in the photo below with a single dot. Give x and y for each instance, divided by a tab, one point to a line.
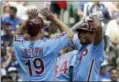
37	56
62	66
90	45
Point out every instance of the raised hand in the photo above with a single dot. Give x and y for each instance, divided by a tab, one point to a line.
47	13
32	13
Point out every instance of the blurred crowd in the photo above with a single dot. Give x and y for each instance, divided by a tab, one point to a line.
13	14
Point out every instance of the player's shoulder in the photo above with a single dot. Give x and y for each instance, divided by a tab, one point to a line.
59	35
56	38
18	38
100	43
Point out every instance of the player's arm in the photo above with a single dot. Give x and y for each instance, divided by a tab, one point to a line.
98	29
22	29
63	28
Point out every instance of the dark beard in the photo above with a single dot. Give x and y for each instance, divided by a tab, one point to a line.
82	43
